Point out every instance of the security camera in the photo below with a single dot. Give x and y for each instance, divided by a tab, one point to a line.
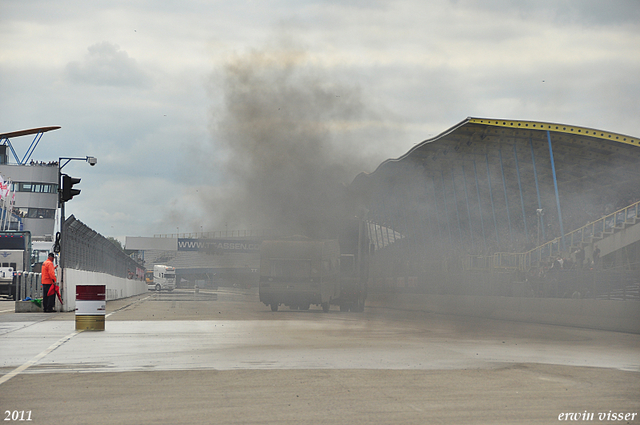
92	160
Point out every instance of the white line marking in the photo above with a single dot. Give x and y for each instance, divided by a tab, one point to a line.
128	305
4	311
37	358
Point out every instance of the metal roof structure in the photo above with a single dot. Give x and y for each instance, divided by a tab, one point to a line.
5	139
488	185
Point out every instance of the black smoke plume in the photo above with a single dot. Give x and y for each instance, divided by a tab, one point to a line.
292	141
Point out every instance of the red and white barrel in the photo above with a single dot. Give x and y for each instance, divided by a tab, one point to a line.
91	305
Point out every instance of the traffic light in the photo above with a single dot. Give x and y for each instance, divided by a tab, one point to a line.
68	191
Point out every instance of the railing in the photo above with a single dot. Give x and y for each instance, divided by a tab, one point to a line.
585	234
605	225
218	234
499	260
478	262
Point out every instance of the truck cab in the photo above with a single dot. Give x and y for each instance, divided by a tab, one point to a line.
164	278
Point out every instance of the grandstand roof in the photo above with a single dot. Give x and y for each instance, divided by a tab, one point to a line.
580	154
19	133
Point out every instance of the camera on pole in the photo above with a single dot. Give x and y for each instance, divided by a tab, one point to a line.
68	191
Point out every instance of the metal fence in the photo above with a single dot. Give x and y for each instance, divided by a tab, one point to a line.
85	249
27	285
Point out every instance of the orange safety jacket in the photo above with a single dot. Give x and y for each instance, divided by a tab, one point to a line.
48	272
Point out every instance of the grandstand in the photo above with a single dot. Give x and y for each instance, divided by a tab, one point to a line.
495	200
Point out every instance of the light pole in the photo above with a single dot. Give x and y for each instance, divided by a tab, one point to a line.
65	194
540	213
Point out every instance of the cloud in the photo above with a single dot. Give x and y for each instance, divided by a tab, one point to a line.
563	12
106	65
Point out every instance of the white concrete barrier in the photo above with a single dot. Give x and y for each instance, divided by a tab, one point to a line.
117	287
619	316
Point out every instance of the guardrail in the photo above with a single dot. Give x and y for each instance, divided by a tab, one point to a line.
584	235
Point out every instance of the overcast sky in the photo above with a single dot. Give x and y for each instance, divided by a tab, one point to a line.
153	88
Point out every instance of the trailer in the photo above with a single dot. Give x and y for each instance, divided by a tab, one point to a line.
15	254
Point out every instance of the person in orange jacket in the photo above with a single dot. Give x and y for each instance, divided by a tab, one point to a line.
48	279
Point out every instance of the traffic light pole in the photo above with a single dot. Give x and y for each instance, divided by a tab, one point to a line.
61	203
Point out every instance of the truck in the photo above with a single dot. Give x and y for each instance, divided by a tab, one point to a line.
148	277
15	257
164	278
300	272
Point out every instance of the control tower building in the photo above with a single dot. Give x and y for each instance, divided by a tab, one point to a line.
33	200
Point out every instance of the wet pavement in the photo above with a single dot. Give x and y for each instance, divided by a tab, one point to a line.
228	336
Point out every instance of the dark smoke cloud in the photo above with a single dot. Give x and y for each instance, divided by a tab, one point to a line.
292	140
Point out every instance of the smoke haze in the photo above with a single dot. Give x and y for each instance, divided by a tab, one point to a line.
292	138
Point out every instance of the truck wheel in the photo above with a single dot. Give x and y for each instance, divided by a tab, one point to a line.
274	307
158	287
325	307
344	307
305	306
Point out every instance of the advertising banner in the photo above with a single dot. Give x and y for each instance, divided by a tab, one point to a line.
219	246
